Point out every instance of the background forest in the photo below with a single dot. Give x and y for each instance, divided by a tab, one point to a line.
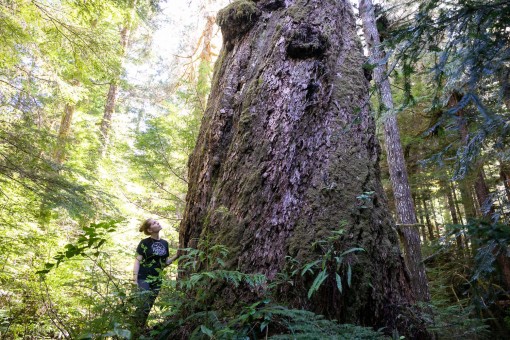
101	103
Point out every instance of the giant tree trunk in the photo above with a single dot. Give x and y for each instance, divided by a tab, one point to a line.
405	210
286	146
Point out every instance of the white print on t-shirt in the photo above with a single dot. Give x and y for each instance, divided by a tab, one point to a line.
158	249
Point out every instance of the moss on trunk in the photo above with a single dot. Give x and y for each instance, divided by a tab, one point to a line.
286	147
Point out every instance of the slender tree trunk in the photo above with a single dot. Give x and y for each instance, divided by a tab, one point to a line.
204	72
504	173
406	214
483	198
455	219
467	199
504	82
59	157
482	194
430	228
456	202
202	78
481	191
505	164
465	188
423	222
423	232
286	146
63	134
419	211
450	203
435	224
111	98
462	220
106	122
433	211
504	263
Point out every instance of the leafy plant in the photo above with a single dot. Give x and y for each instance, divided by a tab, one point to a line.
332	262
88	244
272	321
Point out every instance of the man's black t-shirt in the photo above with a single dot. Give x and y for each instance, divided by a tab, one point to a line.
154	254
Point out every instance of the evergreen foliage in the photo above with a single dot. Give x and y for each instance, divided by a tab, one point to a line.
466	47
67	227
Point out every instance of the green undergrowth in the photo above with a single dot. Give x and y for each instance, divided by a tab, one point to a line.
464	288
189	312
468	299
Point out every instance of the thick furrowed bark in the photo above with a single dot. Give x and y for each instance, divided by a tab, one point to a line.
286	146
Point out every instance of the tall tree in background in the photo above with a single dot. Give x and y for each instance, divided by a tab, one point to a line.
287	153
470	48
406	214
44	75
111	98
168	137
470	45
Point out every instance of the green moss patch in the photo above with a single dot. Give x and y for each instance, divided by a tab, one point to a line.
236	19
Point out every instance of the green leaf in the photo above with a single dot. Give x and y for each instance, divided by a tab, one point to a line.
206	331
100	243
339	259
351	251
209	274
72	252
349	275
122	333
195	278
308	267
323	275
338	282
220	262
